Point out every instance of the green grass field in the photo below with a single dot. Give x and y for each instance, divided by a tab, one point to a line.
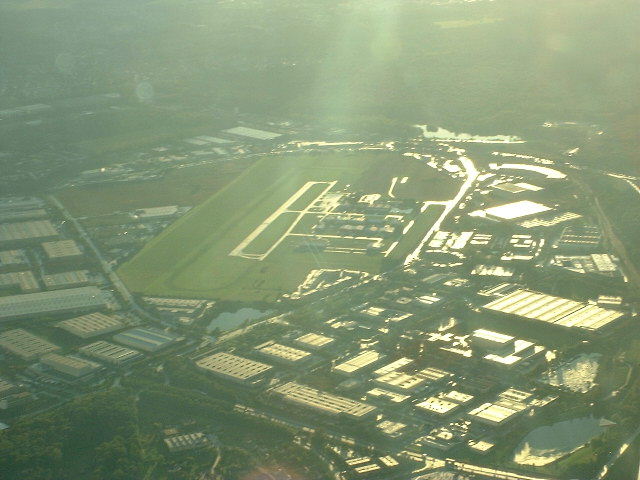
191	258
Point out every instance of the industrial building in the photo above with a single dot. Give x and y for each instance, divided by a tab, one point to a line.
190	441
25	282
62	250
72	279
508	405
314	341
554	310
110	353
252	133
146	339
54	302
387	395
438	406
70	365
359	363
494	414
233	367
25	345
36	230
323	402
156	212
92	325
579	238
10	205
393	366
599	264
510	189
13	260
403	382
503	350
282	353
515	211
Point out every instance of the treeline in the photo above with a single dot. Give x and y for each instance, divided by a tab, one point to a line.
94	438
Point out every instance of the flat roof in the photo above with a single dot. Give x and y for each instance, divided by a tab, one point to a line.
13	232
25	344
9	258
360	361
494	414
61	249
554	310
25	281
314	340
393	397
323	401
517	187
511	211
492	336
69	364
66	279
252	133
110	352
402	381
232	366
56	301
282	352
147	339
395	365
457	397
91	325
438	406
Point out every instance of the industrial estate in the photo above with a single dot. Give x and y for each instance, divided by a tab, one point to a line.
398	307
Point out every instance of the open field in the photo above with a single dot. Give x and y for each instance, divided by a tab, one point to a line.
188	186
192	257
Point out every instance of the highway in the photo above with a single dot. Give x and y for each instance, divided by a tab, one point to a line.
106	267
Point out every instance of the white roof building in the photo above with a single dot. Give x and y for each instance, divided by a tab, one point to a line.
323	402
232	367
25	345
53	302
91	325
283	353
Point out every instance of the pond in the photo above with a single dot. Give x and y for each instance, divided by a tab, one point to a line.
227	321
549	443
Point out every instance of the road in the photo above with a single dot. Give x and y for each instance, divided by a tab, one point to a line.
471	175
106	267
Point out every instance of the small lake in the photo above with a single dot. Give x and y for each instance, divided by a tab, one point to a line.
227	321
549	443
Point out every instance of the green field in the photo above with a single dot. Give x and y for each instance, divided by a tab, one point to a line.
191	258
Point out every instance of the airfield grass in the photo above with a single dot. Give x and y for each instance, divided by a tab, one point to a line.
271	234
191	258
188	186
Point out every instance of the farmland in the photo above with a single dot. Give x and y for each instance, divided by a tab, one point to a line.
191	258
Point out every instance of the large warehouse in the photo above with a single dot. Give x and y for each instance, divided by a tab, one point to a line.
110	353
146	339
25	345
323	402
283	353
70	365
233	367
554	310
91	325
54	302
12	233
